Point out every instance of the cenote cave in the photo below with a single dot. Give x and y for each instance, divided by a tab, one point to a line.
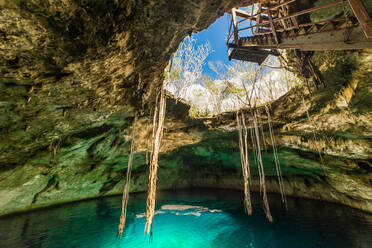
186	123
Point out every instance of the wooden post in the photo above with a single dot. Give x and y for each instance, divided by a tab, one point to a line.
272	25
258	20
250	21
295	23
235	24
362	16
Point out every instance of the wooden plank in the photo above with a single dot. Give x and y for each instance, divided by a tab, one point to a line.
243	14
261	30
362	16
254	55
247	16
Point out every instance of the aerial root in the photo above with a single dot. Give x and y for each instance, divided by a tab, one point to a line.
243	144
159	116
261	168
276	157
125	197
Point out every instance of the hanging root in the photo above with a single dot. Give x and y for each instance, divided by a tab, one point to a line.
159	116
276	157
247	180
261	169
150	136
124	202
263	138
244	161
255	157
314	136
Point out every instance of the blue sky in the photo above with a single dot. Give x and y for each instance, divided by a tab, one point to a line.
216	35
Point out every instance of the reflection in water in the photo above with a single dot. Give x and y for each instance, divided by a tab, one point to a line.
191	218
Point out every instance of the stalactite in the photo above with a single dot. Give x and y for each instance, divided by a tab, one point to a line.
159	116
125	197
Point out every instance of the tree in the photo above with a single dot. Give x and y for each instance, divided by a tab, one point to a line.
248	85
185	67
217	92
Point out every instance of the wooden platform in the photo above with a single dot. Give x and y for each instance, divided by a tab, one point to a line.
254	55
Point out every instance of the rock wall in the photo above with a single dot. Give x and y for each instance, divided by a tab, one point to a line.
73	71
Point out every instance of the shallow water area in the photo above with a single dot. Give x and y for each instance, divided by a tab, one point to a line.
191	218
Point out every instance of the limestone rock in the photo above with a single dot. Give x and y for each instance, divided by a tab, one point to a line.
73	72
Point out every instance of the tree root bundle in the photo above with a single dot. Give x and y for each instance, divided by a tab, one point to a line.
125	197
276	157
159	115
261	169
243	144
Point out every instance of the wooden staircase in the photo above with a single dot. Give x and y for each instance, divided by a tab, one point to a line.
331	35
275	27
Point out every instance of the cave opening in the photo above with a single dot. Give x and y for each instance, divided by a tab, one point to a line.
201	73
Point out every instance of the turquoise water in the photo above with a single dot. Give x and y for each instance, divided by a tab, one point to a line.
191	218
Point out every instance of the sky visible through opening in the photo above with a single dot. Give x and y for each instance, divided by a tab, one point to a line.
223	92
216	34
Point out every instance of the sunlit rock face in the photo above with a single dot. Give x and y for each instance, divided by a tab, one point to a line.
72	73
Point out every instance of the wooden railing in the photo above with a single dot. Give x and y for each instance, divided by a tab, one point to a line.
266	19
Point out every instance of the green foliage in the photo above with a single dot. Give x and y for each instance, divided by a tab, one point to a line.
196	111
336	66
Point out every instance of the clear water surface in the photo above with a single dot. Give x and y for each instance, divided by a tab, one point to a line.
197	218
